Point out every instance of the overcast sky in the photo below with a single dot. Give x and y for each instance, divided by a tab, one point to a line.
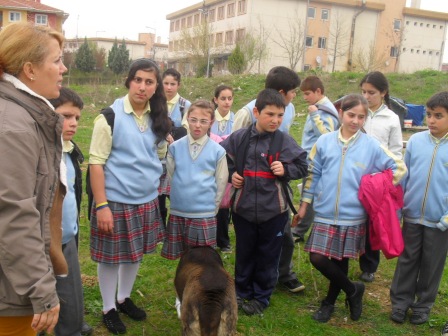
108	19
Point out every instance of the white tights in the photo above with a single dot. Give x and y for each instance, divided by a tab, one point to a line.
111	276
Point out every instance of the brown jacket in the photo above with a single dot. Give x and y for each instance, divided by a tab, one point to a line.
30	149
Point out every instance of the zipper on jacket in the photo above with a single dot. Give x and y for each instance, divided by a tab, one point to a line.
434	153
336	208
255	179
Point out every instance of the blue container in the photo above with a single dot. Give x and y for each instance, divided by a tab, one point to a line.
416	113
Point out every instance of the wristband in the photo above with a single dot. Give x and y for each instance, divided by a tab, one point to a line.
101	205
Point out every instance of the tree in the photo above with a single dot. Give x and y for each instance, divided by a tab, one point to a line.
397	38
292	41
338	39
99	54
84	60
236	61
118	58
195	44
370	59
254	46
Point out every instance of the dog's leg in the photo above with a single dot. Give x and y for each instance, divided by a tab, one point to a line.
178	306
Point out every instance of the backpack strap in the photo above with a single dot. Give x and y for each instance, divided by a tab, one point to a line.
109	114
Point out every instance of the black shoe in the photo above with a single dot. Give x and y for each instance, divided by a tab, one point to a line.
239	302
324	313
226	249
355	301
419	317
253	307
445	330
86	329
130	309
367	277
398	316
113	322
294	285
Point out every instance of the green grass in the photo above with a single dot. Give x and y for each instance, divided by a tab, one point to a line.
288	314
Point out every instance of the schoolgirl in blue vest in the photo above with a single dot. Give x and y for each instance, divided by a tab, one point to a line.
221	129
197	169
338	160
124	175
177	108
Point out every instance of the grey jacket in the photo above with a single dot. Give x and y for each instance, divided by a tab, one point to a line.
30	154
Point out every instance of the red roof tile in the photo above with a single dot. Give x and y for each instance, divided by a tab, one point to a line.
29	5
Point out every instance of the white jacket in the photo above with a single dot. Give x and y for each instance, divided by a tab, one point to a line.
384	125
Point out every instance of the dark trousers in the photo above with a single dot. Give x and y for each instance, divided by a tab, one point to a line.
370	260
258	247
285	266
222	228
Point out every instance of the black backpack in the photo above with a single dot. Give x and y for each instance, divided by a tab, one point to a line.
275	148
109	114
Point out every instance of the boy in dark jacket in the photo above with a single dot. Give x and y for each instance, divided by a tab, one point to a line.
260	210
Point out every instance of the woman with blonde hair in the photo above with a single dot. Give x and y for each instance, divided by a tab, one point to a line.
31	71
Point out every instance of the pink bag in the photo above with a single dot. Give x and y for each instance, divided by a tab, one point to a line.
226	201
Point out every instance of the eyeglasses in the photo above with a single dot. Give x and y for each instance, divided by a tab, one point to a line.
202	122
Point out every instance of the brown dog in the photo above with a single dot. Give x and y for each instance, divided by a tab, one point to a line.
207	294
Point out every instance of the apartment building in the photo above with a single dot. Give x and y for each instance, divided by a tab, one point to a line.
31	11
332	35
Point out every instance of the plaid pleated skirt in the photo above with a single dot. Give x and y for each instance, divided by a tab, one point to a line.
164	186
183	232
137	230
336	241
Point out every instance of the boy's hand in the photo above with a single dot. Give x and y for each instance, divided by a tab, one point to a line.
237	180
277	168
312	108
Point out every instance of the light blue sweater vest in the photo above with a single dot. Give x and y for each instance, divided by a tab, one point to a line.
69	206
133	168
193	184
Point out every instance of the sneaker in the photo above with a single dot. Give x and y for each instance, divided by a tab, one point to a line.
445	330
367	277
398	316
113	323
226	249
86	329
419	317
294	285
253	307
130	309
355	301
323	314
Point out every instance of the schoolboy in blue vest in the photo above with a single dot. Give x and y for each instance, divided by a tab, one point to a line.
69	288
285	81
260	210
425	218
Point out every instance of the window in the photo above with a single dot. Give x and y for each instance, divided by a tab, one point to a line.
407	23
210	40
424	52
183	23
231	10
218	39
397	24
240	35
393	52
241	7
322	43
415	23
427	25
221	13
177	25
430	52
309	41
176	45
325	14
211	15
306	67
434	26
189	21
170	46
441	27
311	12
171	26
229	37
196	19
41	19
14	16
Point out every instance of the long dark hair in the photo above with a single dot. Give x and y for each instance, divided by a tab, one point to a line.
161	123
379	81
